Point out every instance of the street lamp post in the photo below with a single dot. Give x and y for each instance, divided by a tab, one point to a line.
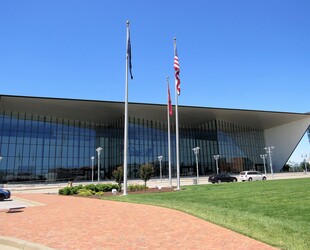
216	157
305	156
264	161
269	152
160	171
196	152
98	151
92	168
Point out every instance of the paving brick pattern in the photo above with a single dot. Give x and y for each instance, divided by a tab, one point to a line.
82	223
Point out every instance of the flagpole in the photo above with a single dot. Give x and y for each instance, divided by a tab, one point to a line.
169	143
177	129
126	116
177	139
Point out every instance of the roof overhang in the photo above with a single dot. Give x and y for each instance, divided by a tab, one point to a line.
106	112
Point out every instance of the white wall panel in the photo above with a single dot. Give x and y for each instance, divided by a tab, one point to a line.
284	138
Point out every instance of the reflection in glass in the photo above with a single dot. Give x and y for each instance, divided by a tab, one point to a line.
47	149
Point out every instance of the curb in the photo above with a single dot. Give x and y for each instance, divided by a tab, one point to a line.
14	243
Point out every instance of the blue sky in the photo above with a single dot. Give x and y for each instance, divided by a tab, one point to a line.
233	54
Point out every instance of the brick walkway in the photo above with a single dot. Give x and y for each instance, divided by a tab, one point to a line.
81	223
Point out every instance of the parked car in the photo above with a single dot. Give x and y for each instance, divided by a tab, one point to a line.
252	176
4	194
222	178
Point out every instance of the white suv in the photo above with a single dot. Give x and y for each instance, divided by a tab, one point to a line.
252	176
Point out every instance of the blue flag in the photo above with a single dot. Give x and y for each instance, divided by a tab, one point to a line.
129	53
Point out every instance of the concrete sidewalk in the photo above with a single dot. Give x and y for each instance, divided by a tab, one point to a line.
9	243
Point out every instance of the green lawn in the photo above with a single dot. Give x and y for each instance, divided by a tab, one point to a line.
275	212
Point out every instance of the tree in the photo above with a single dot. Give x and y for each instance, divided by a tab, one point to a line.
118	175
285	168
146	172
303	165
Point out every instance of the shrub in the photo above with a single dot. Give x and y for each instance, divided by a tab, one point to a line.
75	190
99	193
70	190
146	172
65	191
92	187
106	187
85	192
136	187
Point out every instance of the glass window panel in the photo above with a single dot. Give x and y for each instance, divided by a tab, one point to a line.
12	139
4	149
11	150
5	139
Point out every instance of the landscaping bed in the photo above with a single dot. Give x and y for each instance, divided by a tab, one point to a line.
100	190
146	191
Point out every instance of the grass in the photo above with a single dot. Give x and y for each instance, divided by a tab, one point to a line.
274	212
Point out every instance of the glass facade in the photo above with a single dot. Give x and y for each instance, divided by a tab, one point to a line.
37	148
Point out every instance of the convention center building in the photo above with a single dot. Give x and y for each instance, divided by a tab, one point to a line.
54	140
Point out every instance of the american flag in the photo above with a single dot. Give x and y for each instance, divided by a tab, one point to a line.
177	70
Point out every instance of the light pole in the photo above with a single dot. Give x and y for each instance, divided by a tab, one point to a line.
264	161
216	157
92	168
305	156
269	152
98	151
196	152
160	172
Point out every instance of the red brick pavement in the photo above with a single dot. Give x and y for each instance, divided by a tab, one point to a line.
80	223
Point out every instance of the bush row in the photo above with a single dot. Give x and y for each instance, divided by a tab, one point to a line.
93	189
